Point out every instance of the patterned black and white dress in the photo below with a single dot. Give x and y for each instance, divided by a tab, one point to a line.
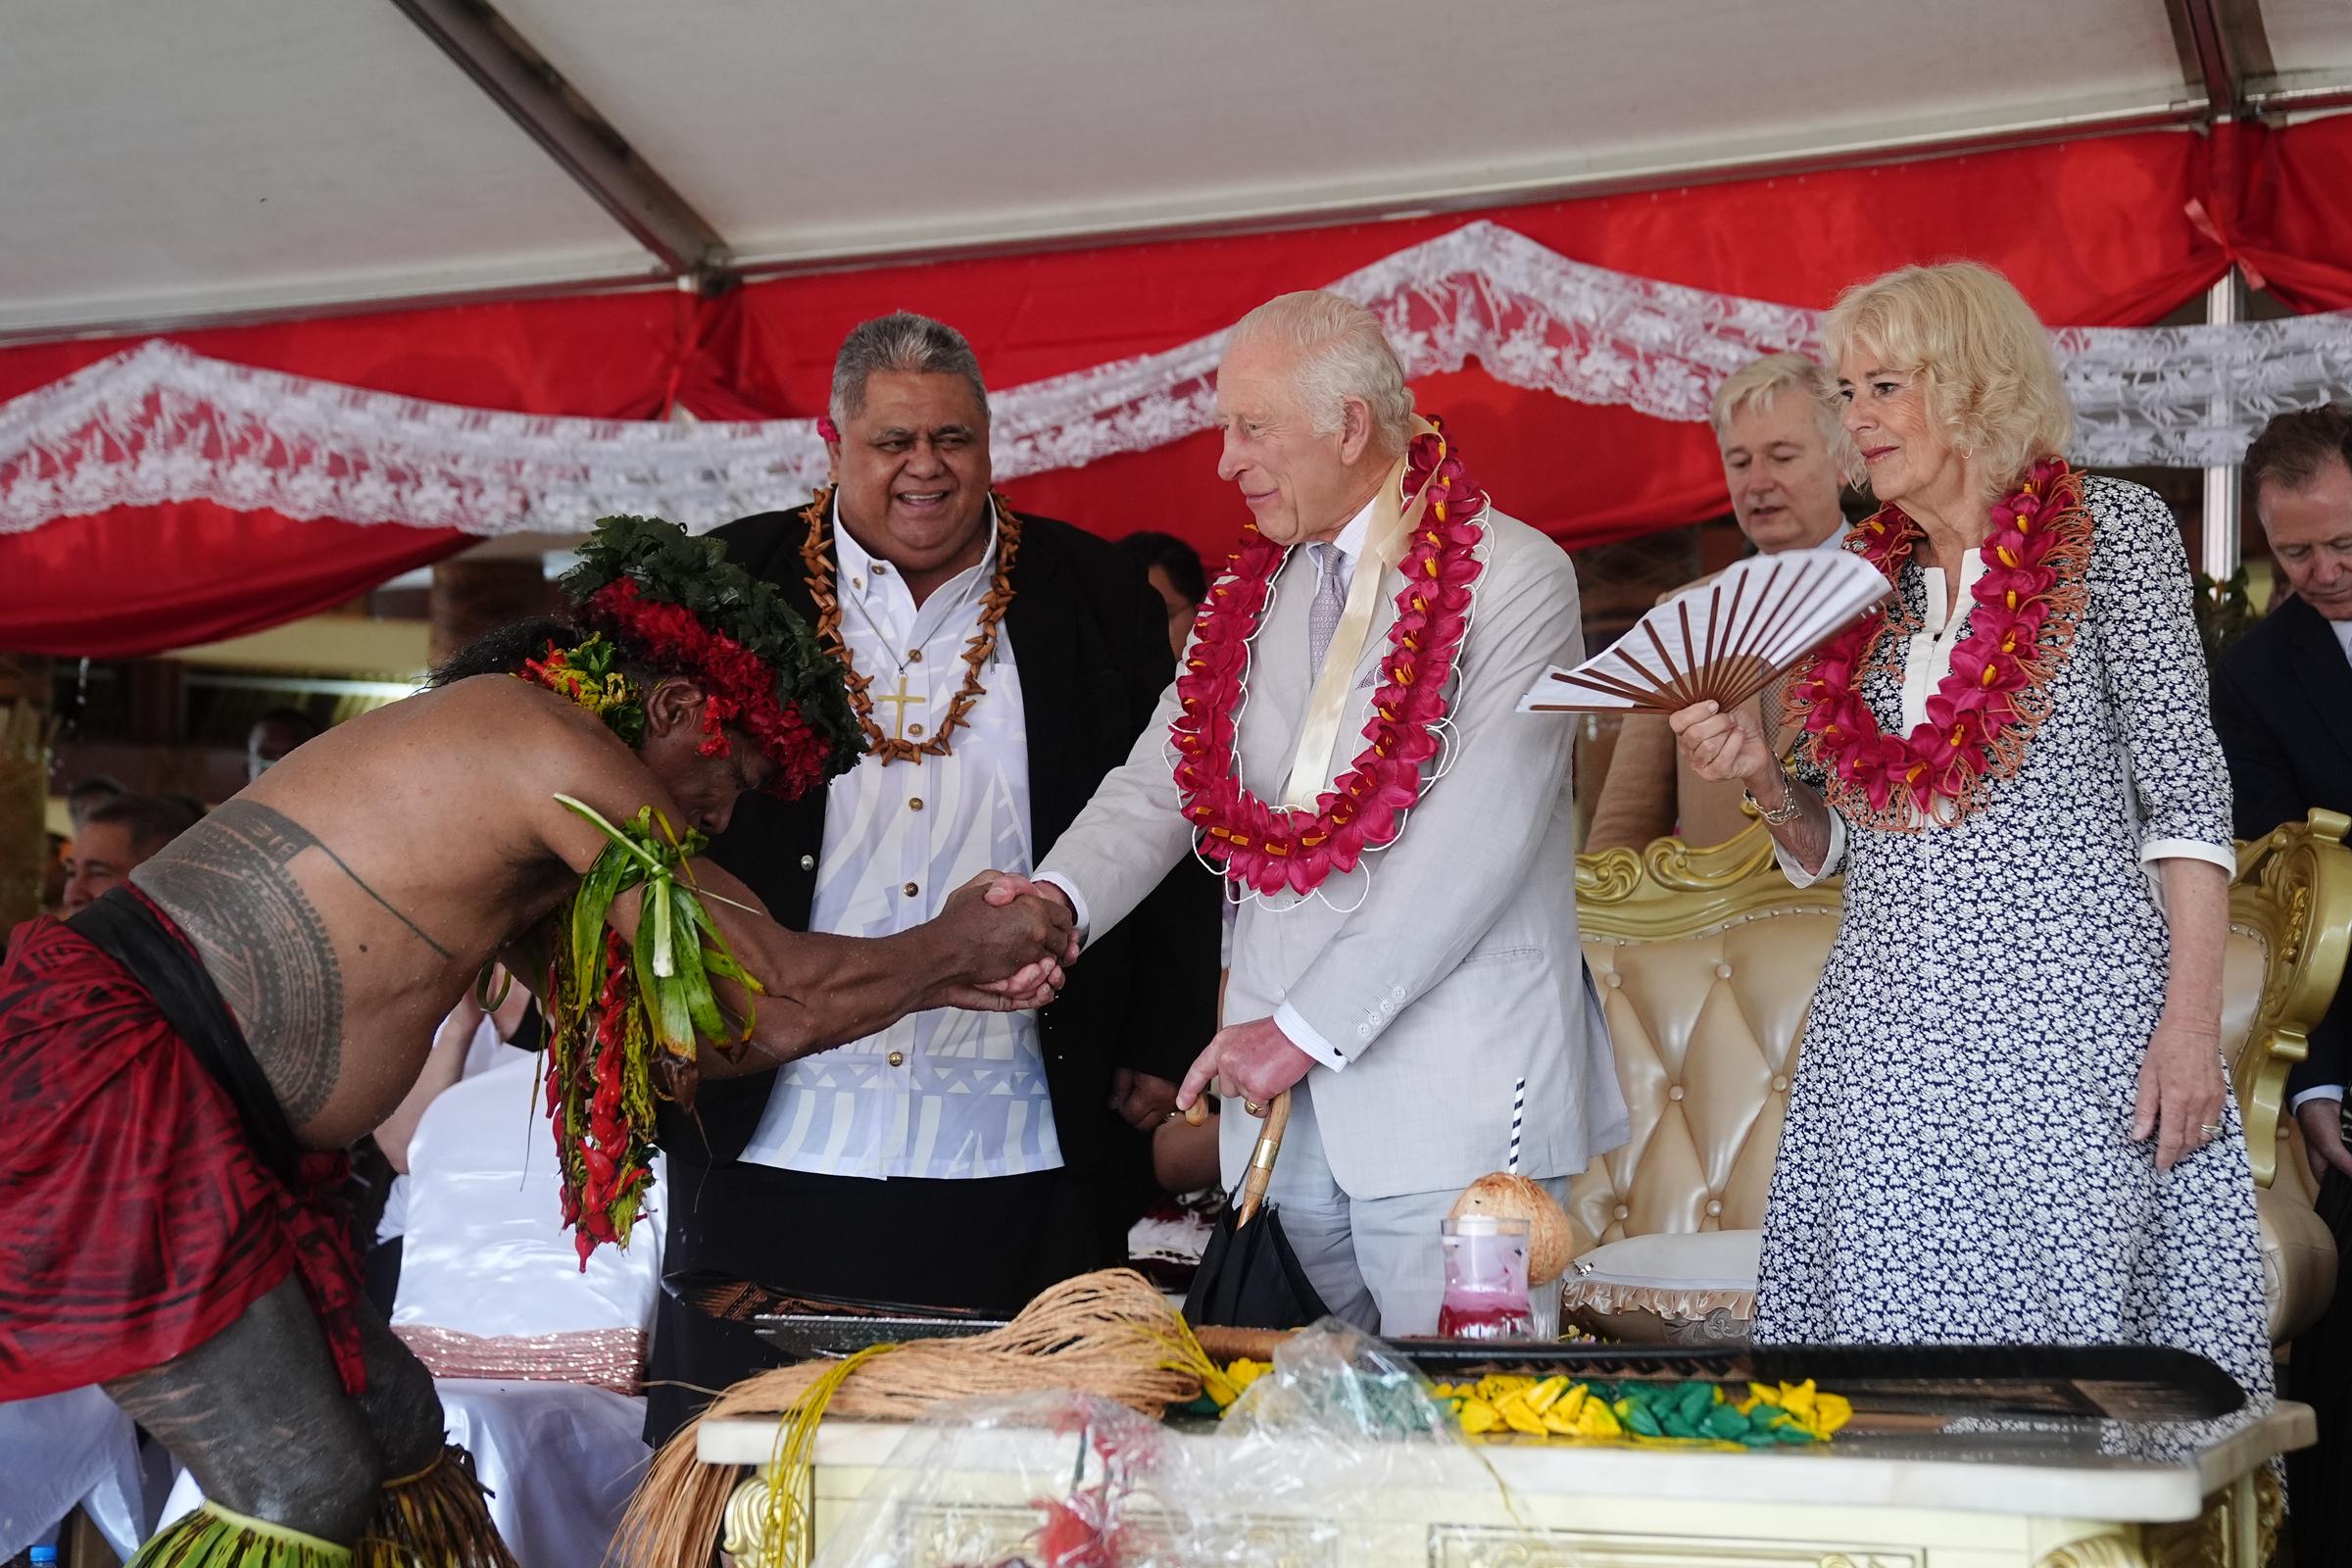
1957	1163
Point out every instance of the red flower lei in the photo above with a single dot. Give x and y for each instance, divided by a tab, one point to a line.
738	686
2028	607
1269	846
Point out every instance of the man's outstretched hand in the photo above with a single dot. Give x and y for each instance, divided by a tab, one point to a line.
1250	1061
1004	953
1006	885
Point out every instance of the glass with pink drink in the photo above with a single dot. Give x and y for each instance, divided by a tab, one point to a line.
1486	1279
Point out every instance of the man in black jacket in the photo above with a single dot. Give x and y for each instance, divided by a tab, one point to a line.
1001	665
2282	696
2282	707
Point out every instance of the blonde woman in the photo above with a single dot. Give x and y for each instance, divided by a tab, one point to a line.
2010	1120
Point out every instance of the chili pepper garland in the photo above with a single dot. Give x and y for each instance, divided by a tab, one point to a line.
623	1018
623	1021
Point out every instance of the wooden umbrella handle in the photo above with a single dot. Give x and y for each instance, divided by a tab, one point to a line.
1260	1173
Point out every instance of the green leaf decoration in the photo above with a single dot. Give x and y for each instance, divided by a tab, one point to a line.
666	564
664	1000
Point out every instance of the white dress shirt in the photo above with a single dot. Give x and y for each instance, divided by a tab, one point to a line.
944	1094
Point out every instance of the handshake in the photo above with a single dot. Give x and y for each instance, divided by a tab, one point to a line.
1007	943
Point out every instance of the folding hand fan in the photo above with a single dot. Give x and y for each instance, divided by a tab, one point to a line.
1723	641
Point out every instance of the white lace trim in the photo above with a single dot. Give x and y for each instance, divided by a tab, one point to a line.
157	423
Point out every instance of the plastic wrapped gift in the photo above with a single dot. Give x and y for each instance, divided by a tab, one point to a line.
1060	1479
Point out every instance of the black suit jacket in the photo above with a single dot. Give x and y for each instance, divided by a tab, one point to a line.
1091	639
2283	708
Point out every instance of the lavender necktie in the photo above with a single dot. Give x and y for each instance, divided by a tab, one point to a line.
1323	616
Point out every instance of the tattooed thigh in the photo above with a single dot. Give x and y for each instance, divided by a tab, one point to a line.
229	884
259	1416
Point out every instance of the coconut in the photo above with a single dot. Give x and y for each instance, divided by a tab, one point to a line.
1552	1235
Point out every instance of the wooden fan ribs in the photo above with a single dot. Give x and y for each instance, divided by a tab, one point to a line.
1755	622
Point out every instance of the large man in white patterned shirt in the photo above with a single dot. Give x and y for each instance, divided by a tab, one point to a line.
1001	664
1405	996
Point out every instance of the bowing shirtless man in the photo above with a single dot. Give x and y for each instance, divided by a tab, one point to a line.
177	1062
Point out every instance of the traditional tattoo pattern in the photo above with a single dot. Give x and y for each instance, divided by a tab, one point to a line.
226	881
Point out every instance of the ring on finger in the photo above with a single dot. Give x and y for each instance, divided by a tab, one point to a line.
2211	1130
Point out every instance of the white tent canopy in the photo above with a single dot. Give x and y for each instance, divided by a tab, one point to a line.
174	163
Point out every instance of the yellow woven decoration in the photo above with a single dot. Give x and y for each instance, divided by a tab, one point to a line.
214	1537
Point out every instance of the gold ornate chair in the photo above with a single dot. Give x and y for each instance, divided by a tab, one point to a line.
1707	959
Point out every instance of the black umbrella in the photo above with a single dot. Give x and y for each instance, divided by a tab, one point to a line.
1250	1277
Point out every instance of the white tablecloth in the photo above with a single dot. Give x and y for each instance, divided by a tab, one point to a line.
67	1450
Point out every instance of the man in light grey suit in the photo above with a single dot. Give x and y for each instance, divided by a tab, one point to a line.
1404	1000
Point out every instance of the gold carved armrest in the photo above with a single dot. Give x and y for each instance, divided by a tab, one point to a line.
1670	889
2293	890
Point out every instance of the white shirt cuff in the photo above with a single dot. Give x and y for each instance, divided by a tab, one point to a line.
1307	1038
2188	849
2318	1092
1796	875
1069	891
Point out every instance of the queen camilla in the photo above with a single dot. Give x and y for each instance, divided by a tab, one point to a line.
2010	1120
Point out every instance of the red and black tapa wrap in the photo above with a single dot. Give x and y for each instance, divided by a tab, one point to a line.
150	1187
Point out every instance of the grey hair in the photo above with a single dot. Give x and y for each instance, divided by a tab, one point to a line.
1759	383
1343	352
905	342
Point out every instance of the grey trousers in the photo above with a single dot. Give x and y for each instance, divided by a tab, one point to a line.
1375	1261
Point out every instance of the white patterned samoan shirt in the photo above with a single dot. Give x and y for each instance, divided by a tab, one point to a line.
946	1093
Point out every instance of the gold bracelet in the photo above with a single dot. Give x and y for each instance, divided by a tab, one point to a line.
1789	810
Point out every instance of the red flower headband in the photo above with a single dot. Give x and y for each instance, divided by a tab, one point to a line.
738	686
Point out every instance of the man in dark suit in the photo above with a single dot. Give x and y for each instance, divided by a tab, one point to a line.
2282	707
1001	664
2282	696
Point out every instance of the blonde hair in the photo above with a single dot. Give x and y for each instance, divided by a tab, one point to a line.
1759	383
1343	352
1986	368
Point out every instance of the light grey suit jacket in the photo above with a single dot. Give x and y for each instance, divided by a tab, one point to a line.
1444	967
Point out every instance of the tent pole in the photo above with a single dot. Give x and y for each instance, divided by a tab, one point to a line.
2224	306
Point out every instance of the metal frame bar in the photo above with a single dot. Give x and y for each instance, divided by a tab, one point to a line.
2218	552
567	129
2206	56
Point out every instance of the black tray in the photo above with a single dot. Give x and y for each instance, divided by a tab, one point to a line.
2112	1382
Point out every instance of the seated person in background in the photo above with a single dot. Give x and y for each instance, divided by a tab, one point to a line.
273	735
2282	707
470	1041
1173	568
88	792
2282	695
1776	422
115	835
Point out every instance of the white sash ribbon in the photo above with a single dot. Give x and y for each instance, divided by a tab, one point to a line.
1392	529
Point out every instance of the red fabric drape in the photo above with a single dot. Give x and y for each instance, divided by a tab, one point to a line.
2094	232
2278	199
2097	232
139	580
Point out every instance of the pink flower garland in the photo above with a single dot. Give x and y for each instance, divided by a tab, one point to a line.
1269	847
2027	605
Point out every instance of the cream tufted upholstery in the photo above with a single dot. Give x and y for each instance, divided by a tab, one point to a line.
1708	959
